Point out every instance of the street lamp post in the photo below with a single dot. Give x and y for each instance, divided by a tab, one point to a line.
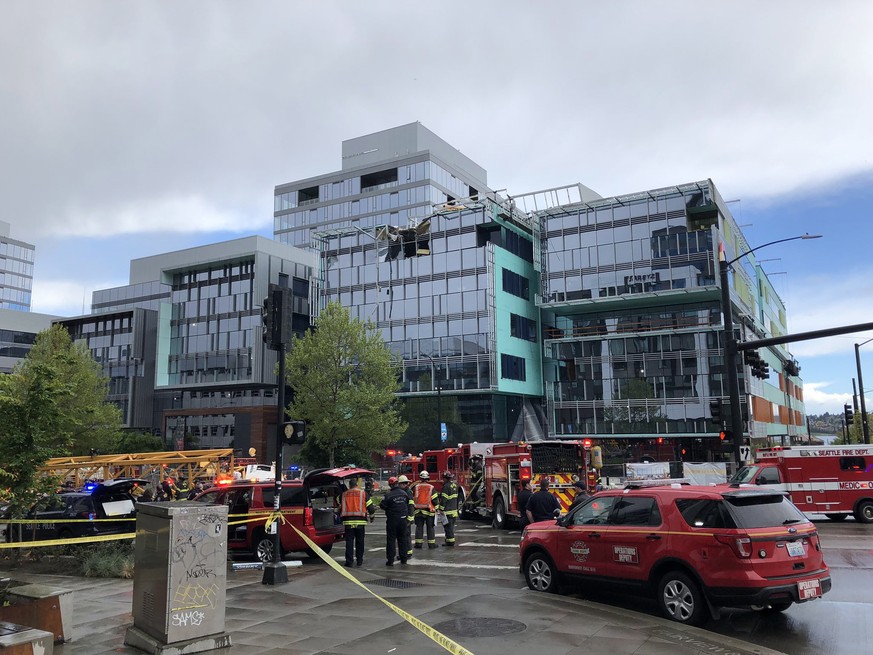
864	428
730	343
439	390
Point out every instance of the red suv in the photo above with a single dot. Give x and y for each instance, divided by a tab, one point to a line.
309	504
695	548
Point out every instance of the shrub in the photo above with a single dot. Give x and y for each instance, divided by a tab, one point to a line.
107	560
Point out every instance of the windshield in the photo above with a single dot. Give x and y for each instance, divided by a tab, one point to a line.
763	511
744	475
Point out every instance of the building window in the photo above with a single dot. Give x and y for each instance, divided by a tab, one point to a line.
519	245
517	285
512	368
522	327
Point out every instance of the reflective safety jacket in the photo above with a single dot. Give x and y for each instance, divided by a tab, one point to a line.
425	498
355	506
448	501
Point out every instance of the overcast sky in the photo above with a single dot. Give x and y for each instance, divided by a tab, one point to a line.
131	129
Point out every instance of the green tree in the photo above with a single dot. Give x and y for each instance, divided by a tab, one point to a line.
53	404
138	442
344	380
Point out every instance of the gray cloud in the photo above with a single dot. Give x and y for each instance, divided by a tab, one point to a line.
121	117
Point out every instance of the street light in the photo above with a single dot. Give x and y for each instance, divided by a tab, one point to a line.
730	343
439	388
864	429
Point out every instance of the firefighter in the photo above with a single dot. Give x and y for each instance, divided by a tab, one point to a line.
542	505
354	510
449	506
398	507
522	498
403	483
426	498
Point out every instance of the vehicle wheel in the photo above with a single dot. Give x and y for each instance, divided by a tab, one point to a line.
864	512
780	607
540	573
462	514
311	553
263	547
680	599
837	517
65	533
500	514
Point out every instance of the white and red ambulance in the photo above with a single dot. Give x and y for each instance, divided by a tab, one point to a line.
832	480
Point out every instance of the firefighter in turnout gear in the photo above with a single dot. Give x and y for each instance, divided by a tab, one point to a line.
448	505
355	508
403	483
398	506
426	498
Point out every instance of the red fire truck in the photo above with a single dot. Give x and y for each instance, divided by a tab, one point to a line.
464	462
563	462
832	480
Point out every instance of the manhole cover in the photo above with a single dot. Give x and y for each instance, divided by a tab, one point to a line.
394	584
479	627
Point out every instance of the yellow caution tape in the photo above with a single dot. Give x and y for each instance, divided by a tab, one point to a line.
71	540
451	646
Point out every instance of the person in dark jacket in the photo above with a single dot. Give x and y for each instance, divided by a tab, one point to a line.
581	494
543	505
448	505
403	484
522	498
398	508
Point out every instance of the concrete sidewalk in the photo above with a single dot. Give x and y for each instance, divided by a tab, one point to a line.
320	613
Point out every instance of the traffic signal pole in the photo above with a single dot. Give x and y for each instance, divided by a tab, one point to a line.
730	362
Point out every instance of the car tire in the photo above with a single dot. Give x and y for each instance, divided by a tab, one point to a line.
500	521
540	573
262	547
864	512
680	599
837	517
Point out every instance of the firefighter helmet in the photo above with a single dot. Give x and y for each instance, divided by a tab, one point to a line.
424	475
447	475
392	481
402	479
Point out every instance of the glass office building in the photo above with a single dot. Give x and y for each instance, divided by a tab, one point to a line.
16	271
210	378
454	300
632	321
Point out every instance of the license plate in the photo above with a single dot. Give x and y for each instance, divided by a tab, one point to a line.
807	589
795	549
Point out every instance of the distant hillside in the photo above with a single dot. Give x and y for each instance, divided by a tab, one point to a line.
826	423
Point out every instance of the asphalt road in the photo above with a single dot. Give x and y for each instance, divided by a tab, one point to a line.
841	623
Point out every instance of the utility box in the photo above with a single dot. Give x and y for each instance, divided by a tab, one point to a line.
180	576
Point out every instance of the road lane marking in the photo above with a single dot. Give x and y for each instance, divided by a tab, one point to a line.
474	543
455	565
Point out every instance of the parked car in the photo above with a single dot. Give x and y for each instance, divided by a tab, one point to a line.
309	504
695	548
73	514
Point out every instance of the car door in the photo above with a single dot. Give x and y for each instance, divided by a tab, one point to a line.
580	549
634	540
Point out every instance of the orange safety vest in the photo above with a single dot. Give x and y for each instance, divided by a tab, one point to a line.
354	504
424	496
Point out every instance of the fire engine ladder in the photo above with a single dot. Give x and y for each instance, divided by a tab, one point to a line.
182	464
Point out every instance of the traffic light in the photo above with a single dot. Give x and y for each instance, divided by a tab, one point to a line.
276	317
849	414
715	411
760	368
294	432
267	319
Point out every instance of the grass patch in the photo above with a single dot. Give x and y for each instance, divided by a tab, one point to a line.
112	559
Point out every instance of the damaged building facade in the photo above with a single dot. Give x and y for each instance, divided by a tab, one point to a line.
556	314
